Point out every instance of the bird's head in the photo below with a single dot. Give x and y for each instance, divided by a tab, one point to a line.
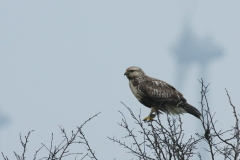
134	72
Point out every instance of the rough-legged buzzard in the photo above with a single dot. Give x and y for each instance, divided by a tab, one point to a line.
157	95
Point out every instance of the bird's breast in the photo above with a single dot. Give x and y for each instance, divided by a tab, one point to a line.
135	90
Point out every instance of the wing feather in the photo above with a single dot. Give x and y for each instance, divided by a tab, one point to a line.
159	90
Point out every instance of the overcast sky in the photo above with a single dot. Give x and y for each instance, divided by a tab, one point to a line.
63	61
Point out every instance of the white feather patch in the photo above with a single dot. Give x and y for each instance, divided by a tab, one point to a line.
157	83
175	110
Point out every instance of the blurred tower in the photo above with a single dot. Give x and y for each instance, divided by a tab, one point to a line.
191	49
3	122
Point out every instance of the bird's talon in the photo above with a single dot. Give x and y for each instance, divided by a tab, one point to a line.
148	119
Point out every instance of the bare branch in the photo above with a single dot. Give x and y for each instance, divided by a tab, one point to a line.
61	150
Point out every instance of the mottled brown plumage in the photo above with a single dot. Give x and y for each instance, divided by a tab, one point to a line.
157	95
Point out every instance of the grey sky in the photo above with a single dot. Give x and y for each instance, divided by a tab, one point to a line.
63	61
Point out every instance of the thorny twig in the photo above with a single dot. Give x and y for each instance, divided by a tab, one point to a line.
62	150
164	142
214	138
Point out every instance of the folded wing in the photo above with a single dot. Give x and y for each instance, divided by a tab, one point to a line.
160	91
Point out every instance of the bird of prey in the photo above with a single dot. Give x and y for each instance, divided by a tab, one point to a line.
157	95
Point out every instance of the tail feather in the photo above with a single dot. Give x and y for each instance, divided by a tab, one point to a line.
190	109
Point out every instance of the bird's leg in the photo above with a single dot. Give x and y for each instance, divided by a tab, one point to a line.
151	115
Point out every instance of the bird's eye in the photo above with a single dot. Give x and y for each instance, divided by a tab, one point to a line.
132	70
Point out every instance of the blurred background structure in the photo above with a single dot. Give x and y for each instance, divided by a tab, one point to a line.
62	62
3	120
191	49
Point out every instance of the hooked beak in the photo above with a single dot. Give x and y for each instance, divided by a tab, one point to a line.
125	73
